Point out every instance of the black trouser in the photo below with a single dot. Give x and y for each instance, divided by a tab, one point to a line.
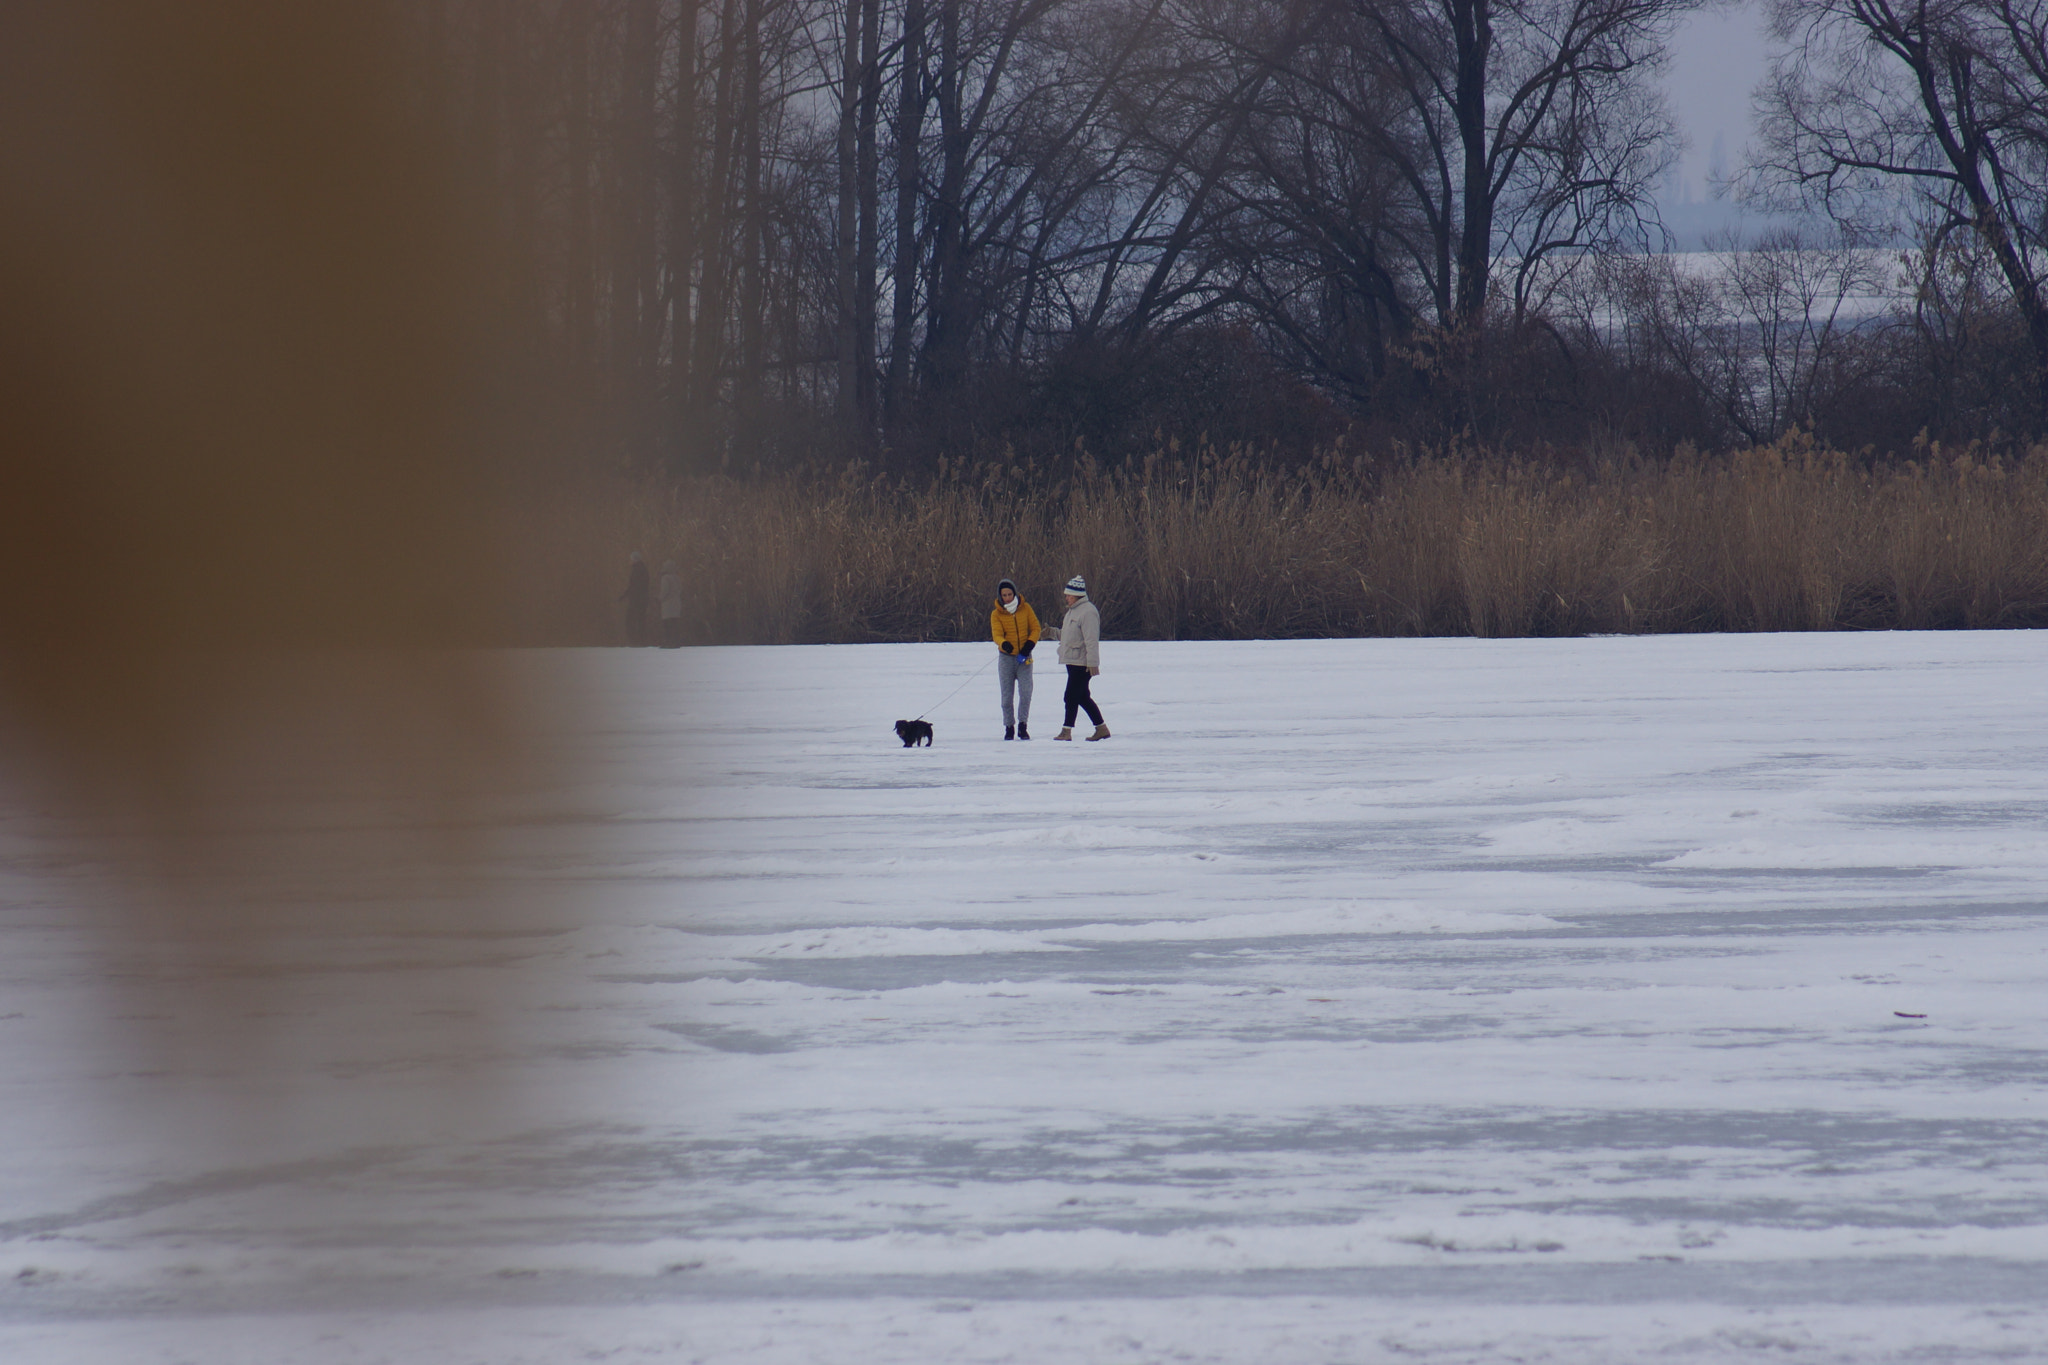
1077	696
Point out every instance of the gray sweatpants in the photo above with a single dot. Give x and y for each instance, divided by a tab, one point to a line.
1014	673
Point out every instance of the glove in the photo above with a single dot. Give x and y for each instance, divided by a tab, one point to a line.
1009	648
1025	652
1094	672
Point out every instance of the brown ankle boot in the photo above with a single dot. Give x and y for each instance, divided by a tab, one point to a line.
1064	734
1101	732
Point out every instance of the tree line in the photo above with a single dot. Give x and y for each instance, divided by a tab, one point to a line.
761	233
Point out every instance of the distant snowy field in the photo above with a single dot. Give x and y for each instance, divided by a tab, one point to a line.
1439	1001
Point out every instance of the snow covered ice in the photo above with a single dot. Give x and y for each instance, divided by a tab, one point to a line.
1437	1000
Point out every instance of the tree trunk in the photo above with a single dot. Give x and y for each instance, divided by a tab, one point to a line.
946	323
682	237
753	318
870	189
635	342
1472	24
909	133
846	221
715	244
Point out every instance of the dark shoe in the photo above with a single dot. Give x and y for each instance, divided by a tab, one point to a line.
1023	732
1009	732
1101	732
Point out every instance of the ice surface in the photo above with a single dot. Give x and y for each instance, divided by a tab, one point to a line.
1360	1000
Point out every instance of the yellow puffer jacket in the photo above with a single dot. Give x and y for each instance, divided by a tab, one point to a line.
1020	627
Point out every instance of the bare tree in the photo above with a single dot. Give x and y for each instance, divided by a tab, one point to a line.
1524	129
856	214
1006	163
1763	335
776	227
1512	130
1940	109
1354	173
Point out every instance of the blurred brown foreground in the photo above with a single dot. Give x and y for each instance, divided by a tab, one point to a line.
252	382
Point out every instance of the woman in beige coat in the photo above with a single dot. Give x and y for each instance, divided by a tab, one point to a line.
1081	652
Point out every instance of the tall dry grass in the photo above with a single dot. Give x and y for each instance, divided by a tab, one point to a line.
1200	545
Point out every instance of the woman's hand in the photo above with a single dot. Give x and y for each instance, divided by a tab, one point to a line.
1009	648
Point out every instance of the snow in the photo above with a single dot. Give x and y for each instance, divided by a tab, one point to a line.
1435	1000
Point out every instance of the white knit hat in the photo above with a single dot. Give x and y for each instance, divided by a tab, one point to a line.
1077	586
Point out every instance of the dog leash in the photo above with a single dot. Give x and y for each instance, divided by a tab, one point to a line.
961	688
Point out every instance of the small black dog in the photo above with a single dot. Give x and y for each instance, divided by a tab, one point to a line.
911	731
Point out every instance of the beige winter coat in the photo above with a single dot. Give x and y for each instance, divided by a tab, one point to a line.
1081	636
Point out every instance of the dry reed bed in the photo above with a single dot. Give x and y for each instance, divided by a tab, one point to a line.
1203	546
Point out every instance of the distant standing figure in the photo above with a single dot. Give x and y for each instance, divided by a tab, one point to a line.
635	598
671	606
1081	652
1015	627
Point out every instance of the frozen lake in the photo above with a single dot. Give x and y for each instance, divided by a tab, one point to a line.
1591	1001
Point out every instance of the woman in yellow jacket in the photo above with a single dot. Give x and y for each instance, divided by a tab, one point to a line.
1015	627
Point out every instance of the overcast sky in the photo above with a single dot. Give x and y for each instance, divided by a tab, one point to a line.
1718	57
